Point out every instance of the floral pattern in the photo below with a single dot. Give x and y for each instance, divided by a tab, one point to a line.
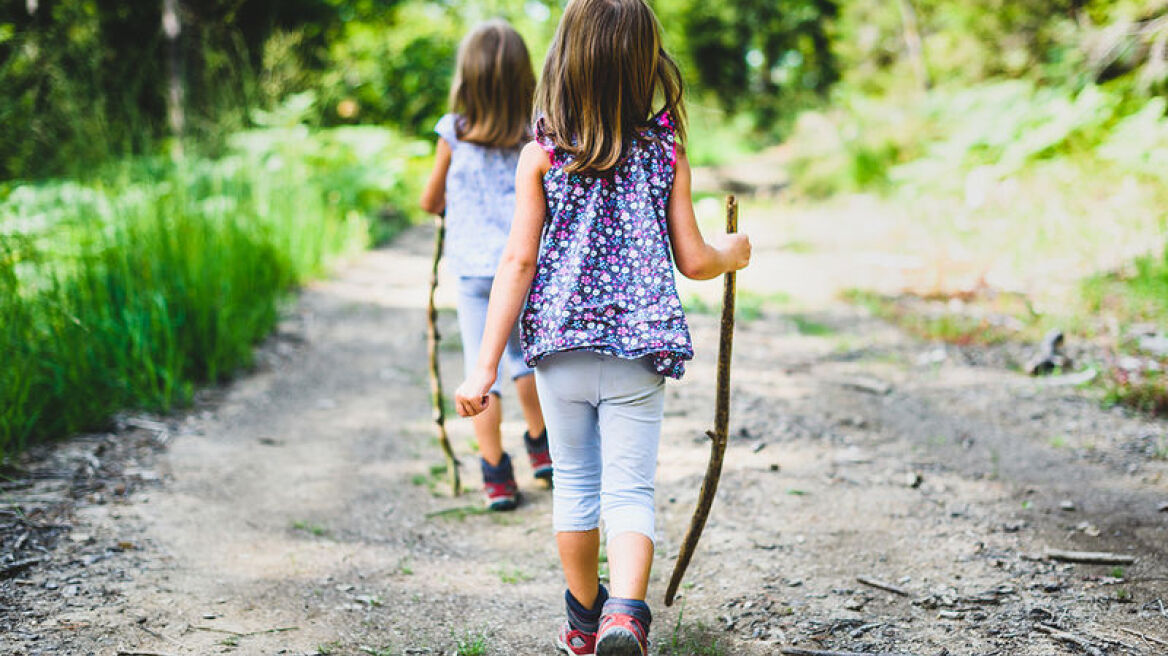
604	277
480	202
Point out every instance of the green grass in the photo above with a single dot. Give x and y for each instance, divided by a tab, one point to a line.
472	643
459	513
952	328
512	575
1139	294
691	640
313	529
809	327
130	290
748	305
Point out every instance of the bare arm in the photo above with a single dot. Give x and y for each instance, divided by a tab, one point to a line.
695	257
512	280
434	195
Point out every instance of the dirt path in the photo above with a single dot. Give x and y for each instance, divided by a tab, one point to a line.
296	512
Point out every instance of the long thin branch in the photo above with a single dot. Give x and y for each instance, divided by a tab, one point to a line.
432	339
720	434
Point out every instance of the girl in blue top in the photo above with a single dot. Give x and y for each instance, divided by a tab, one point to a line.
603	213
473	183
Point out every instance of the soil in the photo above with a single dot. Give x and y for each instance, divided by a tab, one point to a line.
298	510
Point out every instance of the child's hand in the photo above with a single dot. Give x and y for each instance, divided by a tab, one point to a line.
735	250
474	394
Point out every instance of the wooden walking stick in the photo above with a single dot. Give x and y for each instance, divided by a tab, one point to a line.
432	339
719	435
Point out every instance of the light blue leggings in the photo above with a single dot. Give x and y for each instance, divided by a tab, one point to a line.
603	415
473	294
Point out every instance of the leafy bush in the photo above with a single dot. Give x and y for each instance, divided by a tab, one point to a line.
997	129
131	290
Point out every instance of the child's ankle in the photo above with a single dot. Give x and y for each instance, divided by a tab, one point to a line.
498	472
635	607
586	620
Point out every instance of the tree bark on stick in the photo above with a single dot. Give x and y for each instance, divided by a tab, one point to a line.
720	434
432	339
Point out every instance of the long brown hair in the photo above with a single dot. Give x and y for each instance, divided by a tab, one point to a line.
493	85
603	71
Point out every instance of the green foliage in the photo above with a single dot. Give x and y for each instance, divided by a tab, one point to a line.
129	291
994	130
88	79
765	57
472	643
1139	293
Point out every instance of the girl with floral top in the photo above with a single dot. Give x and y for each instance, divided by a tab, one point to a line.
473	183
603	213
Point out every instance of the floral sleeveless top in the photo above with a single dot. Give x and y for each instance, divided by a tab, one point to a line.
604	277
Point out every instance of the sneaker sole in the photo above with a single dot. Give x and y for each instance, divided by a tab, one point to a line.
503	505
619	642
561	647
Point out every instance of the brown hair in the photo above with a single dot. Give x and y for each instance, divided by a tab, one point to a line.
603	71
493	84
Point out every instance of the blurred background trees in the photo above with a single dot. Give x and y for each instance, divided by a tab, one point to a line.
84	79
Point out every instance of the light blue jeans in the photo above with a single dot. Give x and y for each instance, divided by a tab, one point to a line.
473	294
603	415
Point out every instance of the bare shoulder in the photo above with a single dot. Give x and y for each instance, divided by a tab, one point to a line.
533	158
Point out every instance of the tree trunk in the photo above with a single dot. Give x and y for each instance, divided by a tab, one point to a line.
175	94
912	40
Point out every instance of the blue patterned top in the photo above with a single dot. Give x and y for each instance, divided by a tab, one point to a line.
604	275
480	202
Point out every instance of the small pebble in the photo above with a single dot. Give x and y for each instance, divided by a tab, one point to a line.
1067	505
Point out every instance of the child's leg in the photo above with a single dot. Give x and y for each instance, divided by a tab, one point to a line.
630	556
529	402
524	384
567	384
630	417
580	558
488	431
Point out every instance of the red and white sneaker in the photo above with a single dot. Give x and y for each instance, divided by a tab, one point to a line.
499	489
621	634
576	643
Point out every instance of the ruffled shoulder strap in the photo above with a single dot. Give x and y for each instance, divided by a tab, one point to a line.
547	143
666	133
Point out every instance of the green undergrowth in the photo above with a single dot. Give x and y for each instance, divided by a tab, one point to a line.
956	139
909	313
1017	174
691	640
130	289
1138	294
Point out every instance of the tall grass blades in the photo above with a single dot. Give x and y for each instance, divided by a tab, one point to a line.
131	291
